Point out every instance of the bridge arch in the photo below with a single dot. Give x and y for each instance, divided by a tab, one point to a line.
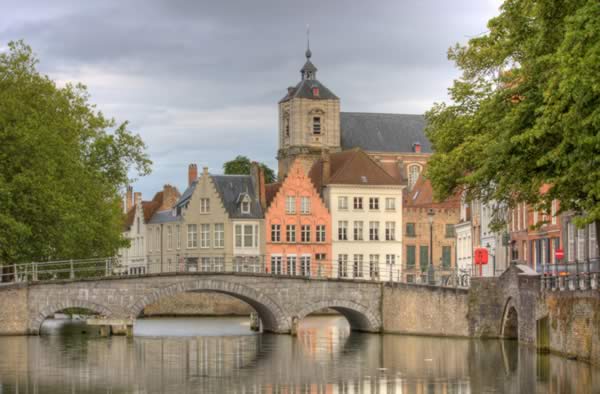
35	323
274	318
510	320
359	316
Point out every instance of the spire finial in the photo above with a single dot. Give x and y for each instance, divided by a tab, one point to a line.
308	52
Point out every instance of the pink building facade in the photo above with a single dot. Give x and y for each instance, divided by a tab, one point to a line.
298	226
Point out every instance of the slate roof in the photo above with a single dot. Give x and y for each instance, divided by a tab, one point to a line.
164	217
230	187
304	90
271	190
352	167
374	132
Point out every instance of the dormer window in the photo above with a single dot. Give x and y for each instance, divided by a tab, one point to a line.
317	125
245	206
315	91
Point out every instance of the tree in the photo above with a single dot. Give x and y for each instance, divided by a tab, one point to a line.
62	167
241	165
526	111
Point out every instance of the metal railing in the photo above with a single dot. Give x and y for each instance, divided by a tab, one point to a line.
296	267
572	275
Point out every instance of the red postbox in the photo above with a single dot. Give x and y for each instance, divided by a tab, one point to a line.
481	258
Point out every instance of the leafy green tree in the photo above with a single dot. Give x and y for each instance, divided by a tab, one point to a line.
526	111
241	165
63	166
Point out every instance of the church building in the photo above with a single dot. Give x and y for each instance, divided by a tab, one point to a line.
311	122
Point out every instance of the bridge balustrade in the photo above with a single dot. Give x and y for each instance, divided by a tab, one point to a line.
570	275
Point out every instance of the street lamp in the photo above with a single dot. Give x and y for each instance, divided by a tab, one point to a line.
430	271
488	247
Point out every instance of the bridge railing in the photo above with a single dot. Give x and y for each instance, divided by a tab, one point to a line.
571	275
297	266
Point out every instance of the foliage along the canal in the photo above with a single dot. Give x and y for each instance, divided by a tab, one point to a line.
241	166
526	110
63	165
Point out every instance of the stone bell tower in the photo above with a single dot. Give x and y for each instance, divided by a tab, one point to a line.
309	120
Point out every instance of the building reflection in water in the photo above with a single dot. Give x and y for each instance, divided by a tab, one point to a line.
325	358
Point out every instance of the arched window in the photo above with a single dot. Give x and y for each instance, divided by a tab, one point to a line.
413	175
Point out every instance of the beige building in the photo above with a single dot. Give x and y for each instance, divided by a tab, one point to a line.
216	225
429	233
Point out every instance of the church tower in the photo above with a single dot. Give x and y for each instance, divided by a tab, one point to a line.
309	121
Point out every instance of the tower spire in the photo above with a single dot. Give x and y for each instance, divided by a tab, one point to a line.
309	71
308	52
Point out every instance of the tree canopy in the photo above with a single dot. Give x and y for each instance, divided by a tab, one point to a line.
241	165
525	112
63	166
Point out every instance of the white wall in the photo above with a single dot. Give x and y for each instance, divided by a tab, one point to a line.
135	256
366	247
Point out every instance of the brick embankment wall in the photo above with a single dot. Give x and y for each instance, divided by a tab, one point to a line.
425	310
13	310
199	304
574	324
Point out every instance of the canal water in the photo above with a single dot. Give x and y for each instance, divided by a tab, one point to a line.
222	355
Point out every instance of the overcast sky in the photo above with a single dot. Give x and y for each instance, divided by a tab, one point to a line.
200	80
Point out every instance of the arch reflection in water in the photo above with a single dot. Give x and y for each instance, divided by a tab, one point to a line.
324	358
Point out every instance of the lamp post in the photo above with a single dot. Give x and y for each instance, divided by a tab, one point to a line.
488	247
430	270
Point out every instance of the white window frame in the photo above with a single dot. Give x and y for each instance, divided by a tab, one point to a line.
276	230
276	264
342	230
390	204
178	235
390	231
342	265
305	233
374	231
245	206
204	205
342	203
204	235
290	233
219	238
305	262
305	205
357	203
291	261
321	233
358	230
374	203
192	236
169	237
357	265
290	205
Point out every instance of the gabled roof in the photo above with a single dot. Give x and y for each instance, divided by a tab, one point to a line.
148	208
166	216
231	188
421	196
304	90
271	190
375	132
352	167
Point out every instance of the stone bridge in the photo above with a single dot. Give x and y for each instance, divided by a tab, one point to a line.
278	301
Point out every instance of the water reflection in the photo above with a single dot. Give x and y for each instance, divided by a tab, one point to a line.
325	358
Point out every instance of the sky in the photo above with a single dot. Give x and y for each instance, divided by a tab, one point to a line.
200	80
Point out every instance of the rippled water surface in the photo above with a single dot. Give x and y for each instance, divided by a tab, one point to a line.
222	355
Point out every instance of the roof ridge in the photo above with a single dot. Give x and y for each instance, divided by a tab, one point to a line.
379	113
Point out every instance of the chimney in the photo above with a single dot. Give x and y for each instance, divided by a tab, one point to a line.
192	173
326	171
137	198
170	196
261	188
129	198
417	147
255	176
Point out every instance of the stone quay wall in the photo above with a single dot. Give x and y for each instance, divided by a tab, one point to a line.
14	310
425	310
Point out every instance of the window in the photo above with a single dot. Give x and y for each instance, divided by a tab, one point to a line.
205	264
357	267
343	265
305	205
178	236
410	230
358	231
374	266
157	242
138	225
305	265
373	231
192	236
423	257
286	122
291	265
390	204
413	175
342	203
316	125
219	263
320	257
276	265
290	232
276	233
290	204
205	235
390	231
593	245
374	203
554	210
245	207
342	230
169	237
305	233
580	244
204	205
246	236
219	235
450	231
358	203
446	256
390	259
320	233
